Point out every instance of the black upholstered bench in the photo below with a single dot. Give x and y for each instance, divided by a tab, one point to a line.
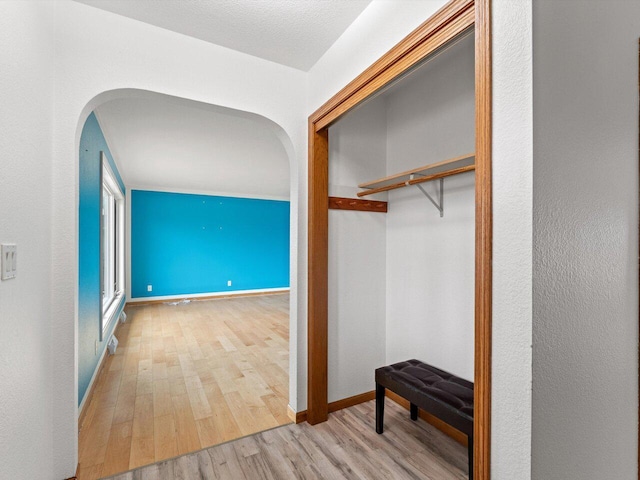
440	393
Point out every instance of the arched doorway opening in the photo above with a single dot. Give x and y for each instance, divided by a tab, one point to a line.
104	113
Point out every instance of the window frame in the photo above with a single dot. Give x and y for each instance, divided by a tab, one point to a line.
112	281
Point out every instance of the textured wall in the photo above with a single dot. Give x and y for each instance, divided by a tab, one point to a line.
599	68
92	143
585	330
26	323
189	244
512	244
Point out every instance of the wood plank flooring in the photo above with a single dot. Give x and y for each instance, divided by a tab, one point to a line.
344	447
186	377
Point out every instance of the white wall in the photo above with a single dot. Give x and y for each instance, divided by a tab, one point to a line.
357	240
512	243
99	52
26	122
91	59
431	260
379	28
586	114
585	329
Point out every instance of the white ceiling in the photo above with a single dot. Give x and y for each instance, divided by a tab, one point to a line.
166	143
290	32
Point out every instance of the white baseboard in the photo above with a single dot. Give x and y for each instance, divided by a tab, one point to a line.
88	391
170	298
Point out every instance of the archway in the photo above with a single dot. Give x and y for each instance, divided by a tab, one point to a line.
266	124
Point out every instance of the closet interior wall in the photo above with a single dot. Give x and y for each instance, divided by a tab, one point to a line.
401	284
357	250
430	260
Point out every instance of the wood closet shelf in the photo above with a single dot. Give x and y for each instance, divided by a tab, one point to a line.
446	168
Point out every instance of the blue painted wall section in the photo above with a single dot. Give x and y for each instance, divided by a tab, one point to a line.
92	142
186	244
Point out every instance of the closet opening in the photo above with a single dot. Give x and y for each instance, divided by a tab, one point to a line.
407	274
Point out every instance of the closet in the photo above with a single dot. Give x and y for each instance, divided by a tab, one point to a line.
401	265
397	264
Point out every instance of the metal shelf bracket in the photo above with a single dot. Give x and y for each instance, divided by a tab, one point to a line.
440	193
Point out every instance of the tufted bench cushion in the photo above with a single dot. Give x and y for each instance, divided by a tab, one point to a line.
440	393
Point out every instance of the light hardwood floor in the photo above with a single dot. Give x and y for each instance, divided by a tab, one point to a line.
344	447
186	377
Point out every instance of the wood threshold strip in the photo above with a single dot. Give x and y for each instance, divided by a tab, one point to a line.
418	180
341	203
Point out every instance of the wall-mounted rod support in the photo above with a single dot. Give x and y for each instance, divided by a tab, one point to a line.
439	205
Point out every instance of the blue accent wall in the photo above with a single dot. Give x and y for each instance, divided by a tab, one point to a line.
92	142
186	244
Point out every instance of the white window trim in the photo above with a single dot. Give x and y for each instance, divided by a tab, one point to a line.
110	309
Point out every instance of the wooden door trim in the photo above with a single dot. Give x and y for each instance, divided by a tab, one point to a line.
447	23
484	245
454	18
318	272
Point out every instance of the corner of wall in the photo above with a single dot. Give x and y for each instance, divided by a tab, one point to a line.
512	240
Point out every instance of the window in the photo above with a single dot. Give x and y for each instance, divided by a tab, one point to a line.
112	246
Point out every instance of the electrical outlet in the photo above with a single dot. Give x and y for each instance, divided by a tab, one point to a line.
149	288
9	261
228	283
96	348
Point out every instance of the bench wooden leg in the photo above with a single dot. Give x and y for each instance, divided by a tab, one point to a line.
380	390
414	411
470	449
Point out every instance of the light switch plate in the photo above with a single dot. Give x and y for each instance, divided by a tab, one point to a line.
9	261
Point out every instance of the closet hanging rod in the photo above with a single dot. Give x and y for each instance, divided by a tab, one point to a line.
415	181
461	161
